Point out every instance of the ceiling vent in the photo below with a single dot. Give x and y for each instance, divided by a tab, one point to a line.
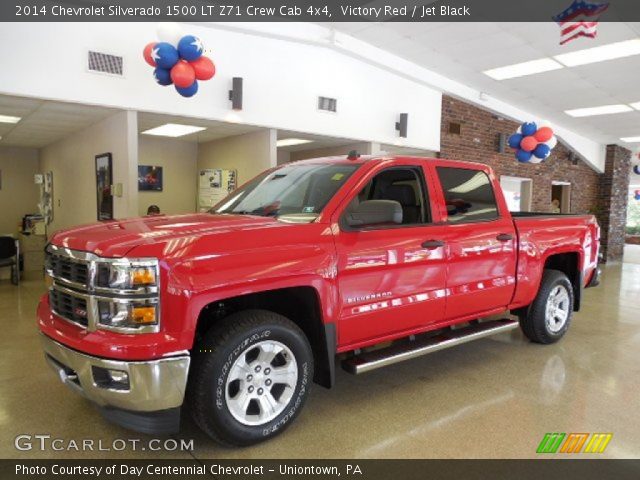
327	104
105	63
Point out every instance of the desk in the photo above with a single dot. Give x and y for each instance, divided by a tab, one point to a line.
32	252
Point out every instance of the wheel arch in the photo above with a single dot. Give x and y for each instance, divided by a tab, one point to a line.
568	263
300	304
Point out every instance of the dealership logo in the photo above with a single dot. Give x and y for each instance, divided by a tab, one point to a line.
574	442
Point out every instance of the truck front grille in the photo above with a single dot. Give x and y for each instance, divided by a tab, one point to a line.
69	307
67	269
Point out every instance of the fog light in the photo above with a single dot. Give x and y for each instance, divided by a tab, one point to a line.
118	376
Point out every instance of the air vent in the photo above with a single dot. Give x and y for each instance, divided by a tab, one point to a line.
327	104
455	128
105	63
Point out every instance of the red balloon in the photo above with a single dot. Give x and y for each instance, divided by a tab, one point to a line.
543	134
182	74
147	54
528	144
204	68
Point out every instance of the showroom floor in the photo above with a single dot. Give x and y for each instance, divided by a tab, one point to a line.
493	398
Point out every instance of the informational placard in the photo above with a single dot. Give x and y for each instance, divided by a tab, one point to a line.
214	185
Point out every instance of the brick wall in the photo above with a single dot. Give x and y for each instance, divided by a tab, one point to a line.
478	141
614	188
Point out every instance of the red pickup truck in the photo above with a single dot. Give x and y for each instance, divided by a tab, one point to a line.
370	260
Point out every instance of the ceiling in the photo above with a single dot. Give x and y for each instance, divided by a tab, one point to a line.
462	51
317	141
214	129
44	122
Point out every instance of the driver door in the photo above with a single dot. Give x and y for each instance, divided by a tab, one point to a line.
391	277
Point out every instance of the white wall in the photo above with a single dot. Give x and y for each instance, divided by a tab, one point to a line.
250	153
72	161
282	80
178	160
19	195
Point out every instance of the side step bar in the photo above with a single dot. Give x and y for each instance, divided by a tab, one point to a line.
407	350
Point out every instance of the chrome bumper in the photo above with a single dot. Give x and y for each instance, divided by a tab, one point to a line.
153	385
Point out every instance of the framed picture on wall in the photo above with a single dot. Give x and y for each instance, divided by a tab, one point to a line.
149	178
104	181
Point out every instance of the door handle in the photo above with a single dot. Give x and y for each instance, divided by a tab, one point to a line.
504	237
433	244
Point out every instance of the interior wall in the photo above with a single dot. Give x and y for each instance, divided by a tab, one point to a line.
363	148
19	195
179	162
250	153
72	161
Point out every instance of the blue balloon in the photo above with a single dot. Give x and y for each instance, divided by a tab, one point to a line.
162	76
523	156
636	169
528	129
190	48
514	140
167	55
542	151
189	91
637	197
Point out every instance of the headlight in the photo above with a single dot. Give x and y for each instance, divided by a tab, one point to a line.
129	314
128	275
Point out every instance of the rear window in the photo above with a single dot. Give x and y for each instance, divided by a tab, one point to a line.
468	194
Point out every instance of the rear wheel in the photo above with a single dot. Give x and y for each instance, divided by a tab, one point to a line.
548	318
251	377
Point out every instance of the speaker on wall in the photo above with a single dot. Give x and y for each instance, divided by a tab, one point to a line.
235	94
403	125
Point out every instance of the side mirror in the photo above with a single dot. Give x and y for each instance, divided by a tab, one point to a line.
375	212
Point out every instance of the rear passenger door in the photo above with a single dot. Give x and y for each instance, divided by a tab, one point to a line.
480	238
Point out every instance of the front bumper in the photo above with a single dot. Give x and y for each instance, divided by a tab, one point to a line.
154	386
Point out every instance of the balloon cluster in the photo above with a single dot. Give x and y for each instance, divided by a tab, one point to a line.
636	194
532	144
178	59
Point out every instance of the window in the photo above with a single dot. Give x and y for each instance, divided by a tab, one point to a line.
293	192
468	194
405	186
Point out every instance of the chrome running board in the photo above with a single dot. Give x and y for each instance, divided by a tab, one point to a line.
367	361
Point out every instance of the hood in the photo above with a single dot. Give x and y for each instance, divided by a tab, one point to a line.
117	238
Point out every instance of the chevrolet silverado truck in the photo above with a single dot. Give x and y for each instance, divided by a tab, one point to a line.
366	261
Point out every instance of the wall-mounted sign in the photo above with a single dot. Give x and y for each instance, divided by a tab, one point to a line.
214	185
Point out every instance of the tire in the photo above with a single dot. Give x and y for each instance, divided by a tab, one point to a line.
251	377
548	325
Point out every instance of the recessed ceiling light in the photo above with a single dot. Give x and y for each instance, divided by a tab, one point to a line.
635	105
603	110
290	142
9	119
630	139
522	69
600	54
173	130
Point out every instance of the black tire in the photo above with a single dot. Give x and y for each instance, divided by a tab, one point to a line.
533	321
214	359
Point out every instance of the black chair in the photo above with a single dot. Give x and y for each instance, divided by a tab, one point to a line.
9	257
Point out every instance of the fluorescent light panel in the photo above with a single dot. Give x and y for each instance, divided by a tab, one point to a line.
600	54
631	139
523	69
290	142
602	110
173	130
635	105
9	119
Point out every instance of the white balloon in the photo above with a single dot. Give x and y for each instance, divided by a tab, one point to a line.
552	142
170	32
535	159
519	130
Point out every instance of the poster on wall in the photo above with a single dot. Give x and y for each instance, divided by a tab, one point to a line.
46	198
149	178
104	180
214	185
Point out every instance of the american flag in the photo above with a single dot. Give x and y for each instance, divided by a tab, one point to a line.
580	19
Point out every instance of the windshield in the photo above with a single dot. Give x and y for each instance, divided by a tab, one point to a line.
294	193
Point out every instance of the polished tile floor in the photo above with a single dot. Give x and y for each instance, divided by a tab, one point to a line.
492	398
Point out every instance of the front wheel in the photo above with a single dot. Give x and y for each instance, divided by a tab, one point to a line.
548	318
252	374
